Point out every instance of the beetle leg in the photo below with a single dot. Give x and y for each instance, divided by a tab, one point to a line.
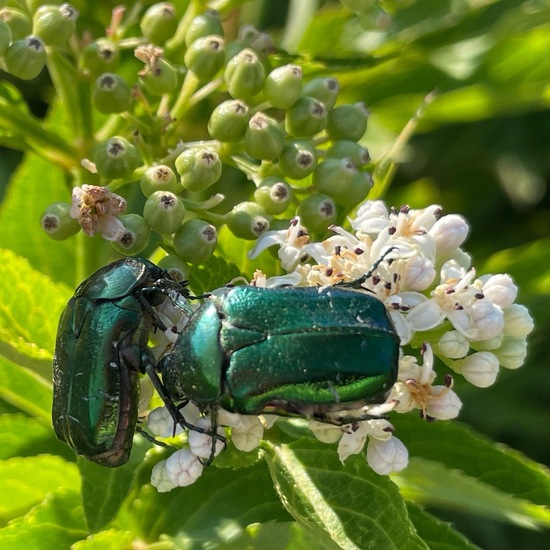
150	438
215	436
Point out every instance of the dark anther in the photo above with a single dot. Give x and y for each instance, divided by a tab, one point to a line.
448	380
405	209
479	296
392	230
359	251
337	250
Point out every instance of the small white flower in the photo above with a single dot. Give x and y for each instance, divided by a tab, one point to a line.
500	289
201	443
518	322
183	468
248	435
480	368
449	233
444	403
512	353
420	273
385	457
327	433
160	479
454	345
355	436
488	319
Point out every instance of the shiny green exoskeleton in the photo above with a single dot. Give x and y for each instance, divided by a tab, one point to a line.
100	350
306	351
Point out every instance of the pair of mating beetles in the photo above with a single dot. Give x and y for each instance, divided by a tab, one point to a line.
291	351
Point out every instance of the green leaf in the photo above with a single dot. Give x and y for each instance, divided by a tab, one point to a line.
438	534
347	504
105	489
26	481
215	273
29	312
220	502
110	539
26	390
57	522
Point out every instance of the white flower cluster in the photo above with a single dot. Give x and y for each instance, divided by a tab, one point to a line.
436	303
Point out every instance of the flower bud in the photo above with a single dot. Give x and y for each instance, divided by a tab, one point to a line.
101	56
111	94
488	319
348	122
57	222
159	178
385	457
159	478
55	24
177	269
205	24
25	58
454	345
283	86
419	274
444	404
248	434
244	75
160	422
323	89
5	37
183	468
480	368
273	195
116	158
317	212
247	220
229	121
195	241
260	42
136	235
264	138
159	78
205	57
199	168
512	352
449	232
201	443
298	159
517	321
306	118
326	433
164	212
501	290
18	22
159	23
343	148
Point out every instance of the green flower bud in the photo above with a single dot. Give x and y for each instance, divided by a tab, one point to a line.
205	57
283	86
101	56
116	158
57	222
229	121
195	241
342	149
298	159
159	23
159	178
340	179
177	268
260	42
19	23
273	195
164	212
111	94
244	75
55	24
247	220
5	37
306	118
26	58
205	24
264	138
348	122
199	168
159	78
317	212
136	236
323	89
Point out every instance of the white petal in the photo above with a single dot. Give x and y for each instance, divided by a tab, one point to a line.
518	322
480	369
449	233
327	433
385	457
461	319
352	442
420	273
425	316
401	326
488	319
444	404
501	290
512	353
267	239
454	345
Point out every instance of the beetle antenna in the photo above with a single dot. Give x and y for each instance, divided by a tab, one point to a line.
363	279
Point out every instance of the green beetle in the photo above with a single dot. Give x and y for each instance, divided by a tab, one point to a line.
100	350
292	351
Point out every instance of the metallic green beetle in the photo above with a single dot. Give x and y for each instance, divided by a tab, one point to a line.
100	350
289	351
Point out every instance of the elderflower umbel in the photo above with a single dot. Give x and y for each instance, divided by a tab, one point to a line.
436	302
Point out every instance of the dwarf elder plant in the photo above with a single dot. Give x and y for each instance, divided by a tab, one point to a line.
252	143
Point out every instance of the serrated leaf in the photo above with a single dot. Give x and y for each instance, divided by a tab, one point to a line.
438	534
347	504
215	273
56	522
29	313
27	480
220	501
26	390
110	539
430	483
460	448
